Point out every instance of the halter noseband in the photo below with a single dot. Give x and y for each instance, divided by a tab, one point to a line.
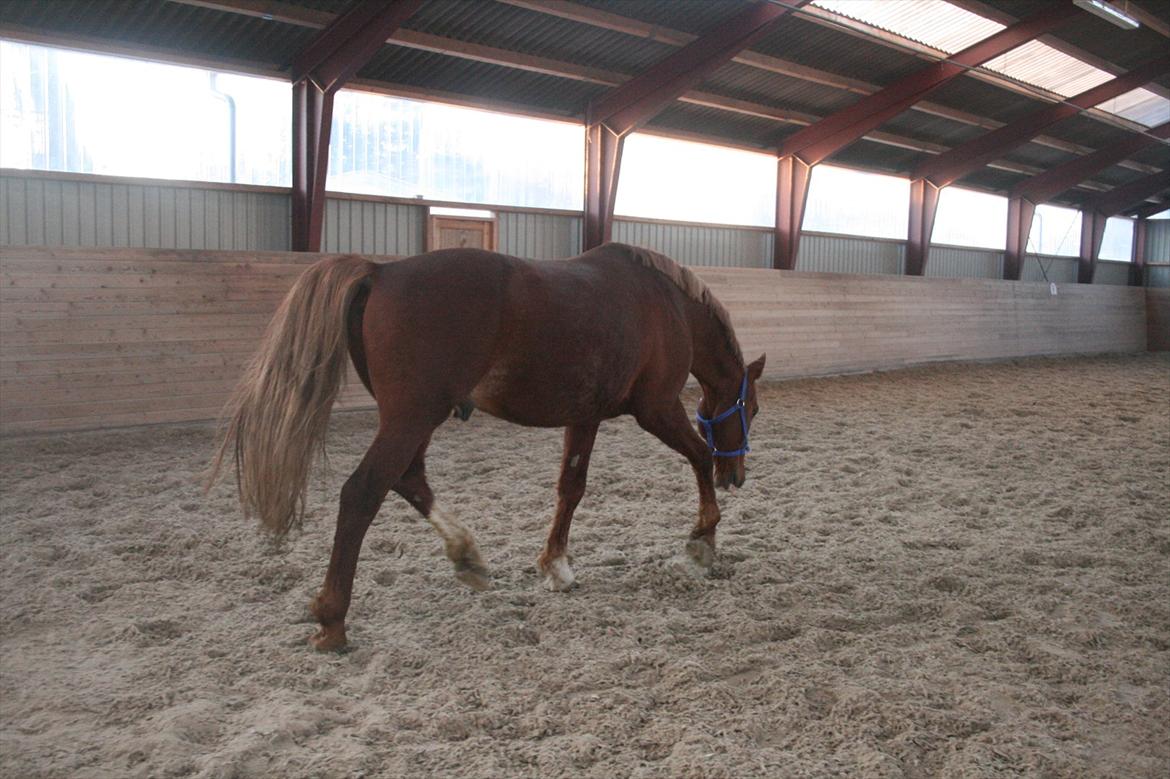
707	424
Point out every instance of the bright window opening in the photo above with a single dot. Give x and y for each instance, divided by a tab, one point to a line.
70	111
1117	243
406	148
1056	232
665	178
851	202
969	218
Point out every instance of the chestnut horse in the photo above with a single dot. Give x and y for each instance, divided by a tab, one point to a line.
549	344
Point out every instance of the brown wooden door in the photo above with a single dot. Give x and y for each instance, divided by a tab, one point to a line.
455	232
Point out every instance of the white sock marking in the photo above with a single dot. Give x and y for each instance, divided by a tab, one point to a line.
560	575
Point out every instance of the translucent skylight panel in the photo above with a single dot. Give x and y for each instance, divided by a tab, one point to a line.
1140	105
948	28
1040	64
936	23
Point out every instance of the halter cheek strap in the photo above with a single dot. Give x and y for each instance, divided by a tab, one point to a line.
708	424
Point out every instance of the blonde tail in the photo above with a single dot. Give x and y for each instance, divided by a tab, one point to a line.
279	413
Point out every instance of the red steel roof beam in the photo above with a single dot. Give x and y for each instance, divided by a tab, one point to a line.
1041	188
1044	186
332	58
816	142
949	166
1146	210
1120	198
820	140
965	158
621	111
1105	205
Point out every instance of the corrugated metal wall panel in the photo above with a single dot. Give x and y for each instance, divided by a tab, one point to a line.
36	210
839	254
539	236
373	227
66	212
1062	270
1158	240
703	245
951	262
1158	275
1116	273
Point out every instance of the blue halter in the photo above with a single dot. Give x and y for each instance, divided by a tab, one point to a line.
707	424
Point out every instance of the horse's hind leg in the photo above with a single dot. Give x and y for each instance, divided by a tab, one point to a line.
553	561
672	426
382	467
458	542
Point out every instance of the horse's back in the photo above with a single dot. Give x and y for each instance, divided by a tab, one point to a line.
538	343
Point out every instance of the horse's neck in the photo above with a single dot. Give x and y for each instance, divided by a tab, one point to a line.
713	362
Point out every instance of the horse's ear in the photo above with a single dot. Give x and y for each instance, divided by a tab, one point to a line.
756	368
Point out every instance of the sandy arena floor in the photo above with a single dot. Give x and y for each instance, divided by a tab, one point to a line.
954	571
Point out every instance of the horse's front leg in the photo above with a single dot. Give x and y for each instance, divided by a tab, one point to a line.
554	560
671	425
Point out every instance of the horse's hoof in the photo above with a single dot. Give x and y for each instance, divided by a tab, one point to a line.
329	639
701	551
474	574
558	576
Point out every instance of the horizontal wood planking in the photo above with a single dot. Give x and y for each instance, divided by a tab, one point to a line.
111	337
1158	318
815	324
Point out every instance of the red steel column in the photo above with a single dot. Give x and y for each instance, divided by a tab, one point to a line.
616	114
1092	231
792	177
319	70
923	207
1137	268
603	155
312	122
1020	213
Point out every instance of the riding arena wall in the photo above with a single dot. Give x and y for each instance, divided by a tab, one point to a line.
136	301
93	338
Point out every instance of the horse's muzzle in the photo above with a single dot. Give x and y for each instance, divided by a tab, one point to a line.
733	477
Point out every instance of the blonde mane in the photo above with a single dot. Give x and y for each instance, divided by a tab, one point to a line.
693	287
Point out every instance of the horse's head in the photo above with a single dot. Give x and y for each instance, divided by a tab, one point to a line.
725	417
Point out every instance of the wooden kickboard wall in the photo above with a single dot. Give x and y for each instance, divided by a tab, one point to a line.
1158	318
818	323
93	338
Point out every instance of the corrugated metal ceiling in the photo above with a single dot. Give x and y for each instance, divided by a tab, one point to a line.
519	28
